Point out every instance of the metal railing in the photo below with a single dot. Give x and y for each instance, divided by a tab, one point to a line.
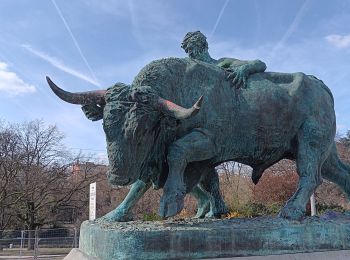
21	244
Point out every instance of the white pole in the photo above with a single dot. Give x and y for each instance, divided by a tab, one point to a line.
313	204
92	201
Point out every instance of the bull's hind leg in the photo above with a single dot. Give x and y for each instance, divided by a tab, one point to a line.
203	201
336	171
196	146
313	148
210	184
207	192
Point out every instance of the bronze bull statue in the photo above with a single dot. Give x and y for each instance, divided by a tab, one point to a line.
152	138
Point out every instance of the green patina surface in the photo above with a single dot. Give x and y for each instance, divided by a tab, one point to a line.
248	115
190	239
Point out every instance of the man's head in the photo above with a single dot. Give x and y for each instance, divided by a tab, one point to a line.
195	44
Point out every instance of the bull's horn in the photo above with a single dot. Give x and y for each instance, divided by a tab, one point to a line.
177	111
80	98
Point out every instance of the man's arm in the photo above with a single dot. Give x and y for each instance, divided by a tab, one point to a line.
239	70
255	66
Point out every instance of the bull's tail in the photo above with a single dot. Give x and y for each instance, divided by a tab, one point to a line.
337	171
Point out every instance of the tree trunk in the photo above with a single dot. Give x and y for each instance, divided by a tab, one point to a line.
31	226
31	239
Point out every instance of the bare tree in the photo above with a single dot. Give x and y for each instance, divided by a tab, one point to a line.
10	159
36	176
345	140
234	182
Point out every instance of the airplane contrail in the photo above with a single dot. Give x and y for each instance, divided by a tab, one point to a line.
75	42
292	27
219	18
60	65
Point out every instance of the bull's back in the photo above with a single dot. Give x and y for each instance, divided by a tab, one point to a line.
263	119
276	106
259	120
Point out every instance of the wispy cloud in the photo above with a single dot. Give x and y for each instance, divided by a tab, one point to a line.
60	65
11	83
340	41
219	18
74	40
148	22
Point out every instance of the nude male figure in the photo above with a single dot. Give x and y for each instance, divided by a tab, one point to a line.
196	45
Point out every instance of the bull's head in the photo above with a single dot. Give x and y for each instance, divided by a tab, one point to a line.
131	120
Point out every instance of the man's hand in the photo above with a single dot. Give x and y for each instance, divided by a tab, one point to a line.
93	111
238	75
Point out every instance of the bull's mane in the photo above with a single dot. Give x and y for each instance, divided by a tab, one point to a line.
132	107
122	99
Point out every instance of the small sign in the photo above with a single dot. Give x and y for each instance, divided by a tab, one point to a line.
313	204
92	201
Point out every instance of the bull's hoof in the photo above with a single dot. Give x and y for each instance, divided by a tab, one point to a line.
292	213
171	205
210	214
118	215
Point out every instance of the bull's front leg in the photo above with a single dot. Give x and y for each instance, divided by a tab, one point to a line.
123	211
196	146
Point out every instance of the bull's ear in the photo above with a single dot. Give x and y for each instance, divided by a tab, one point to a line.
93	112
143	95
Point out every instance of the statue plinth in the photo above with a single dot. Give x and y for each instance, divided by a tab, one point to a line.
182	239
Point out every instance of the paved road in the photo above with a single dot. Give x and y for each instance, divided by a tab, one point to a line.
328	255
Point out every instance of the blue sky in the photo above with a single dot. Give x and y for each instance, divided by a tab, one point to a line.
91	44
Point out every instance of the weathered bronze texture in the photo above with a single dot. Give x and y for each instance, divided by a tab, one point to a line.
247	115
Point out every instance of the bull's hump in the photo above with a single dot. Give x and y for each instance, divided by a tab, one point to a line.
159	71
205	76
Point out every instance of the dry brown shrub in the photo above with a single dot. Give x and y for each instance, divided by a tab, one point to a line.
277	184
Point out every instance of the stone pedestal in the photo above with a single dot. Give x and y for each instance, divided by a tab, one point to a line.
188	239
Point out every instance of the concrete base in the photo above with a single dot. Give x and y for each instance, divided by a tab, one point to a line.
189	239
334	255
76	254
